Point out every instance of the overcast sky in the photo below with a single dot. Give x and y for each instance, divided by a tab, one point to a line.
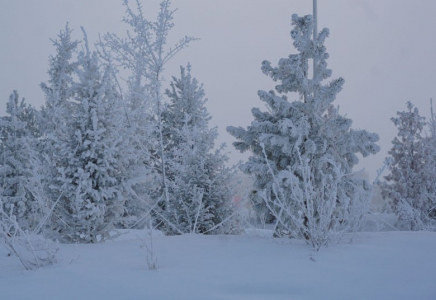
384	49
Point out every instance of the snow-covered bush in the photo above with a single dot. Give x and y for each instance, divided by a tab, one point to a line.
411	186
303	152
33	250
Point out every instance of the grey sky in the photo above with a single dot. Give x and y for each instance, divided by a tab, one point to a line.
385	50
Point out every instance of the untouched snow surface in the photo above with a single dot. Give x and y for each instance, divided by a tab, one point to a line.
377	265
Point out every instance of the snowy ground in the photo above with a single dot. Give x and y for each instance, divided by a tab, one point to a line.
377	265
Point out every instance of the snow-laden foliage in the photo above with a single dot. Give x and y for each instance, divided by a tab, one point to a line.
411	185
91	155
19	163
144	53
57	110
431	170
200	184
303	151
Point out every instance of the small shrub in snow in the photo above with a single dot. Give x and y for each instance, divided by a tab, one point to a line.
149	246
33	251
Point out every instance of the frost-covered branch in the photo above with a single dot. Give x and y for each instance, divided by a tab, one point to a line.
32	250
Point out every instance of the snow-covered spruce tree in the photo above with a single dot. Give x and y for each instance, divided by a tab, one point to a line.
56	112
59	90
303	151
201	186
410	184
19	163
22	201
144	54
92	158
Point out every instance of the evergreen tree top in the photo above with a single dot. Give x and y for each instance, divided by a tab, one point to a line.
314	125
187	100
